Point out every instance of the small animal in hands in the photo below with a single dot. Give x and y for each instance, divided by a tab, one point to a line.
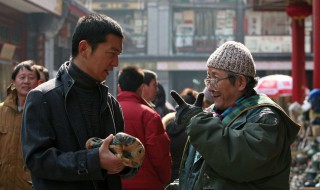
126	147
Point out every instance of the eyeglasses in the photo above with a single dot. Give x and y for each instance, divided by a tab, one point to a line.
211	83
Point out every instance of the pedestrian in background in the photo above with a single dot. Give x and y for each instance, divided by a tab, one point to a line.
13	173
244	141
144	123
44	73
150	89
178	136
63	113
162	106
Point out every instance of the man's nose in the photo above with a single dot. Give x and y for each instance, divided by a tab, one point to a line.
115	61
27	80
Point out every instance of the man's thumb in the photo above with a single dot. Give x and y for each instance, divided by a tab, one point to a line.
177	98
107	141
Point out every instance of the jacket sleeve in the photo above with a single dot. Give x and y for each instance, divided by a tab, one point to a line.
44	155
255	142
158	147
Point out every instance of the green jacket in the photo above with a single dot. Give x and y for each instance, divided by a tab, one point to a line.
248	149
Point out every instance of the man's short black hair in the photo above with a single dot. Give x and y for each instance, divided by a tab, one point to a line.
149	76
130	78
29	65
94	28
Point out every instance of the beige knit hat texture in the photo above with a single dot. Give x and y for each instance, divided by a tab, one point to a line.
233	56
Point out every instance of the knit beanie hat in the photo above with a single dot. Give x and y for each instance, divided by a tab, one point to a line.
233	56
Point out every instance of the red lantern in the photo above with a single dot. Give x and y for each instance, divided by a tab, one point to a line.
299	10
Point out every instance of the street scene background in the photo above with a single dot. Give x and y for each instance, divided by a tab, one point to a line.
174	38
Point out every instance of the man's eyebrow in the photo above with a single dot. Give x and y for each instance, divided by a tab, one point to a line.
116	50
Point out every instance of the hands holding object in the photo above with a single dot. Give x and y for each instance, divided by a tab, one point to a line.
124	146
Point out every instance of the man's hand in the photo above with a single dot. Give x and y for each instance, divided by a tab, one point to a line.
186	111
108	160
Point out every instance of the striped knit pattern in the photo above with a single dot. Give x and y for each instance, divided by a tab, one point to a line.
249	103
233	56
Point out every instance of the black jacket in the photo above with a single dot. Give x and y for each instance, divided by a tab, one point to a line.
53	137
178	138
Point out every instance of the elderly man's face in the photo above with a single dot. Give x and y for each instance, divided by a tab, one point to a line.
222	90
25	81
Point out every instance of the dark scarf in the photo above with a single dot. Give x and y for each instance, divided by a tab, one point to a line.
88	94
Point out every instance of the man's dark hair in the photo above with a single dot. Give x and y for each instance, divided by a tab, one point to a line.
251	81
161	96
189	95
29	65
130	78
149	76
43	70
94	28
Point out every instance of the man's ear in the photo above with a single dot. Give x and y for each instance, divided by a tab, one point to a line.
241	82
140	89
119	89
84	48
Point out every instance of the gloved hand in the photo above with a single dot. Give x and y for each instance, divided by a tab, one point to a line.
186	111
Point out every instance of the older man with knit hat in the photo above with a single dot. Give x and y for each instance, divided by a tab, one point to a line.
243	142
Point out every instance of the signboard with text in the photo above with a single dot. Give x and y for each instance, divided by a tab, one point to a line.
273	44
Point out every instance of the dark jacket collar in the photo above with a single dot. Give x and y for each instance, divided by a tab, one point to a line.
83	80
68	81
65	79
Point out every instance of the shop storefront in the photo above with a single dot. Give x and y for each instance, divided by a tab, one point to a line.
12	44
133	18
37	30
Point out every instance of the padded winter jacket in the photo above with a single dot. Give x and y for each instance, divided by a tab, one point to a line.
13	173
145	123
248	150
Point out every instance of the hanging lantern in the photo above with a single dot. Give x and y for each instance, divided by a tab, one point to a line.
299	10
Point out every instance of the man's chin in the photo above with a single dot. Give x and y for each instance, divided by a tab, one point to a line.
106	75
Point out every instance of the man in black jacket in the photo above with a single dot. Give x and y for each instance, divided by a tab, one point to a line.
63	113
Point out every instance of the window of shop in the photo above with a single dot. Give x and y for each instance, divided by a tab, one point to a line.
270	32
134	24
201	30
4	32
12	44
16	35
132	16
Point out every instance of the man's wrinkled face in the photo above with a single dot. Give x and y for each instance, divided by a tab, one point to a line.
25	81
222	90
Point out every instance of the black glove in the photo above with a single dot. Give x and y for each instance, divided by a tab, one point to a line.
186	111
